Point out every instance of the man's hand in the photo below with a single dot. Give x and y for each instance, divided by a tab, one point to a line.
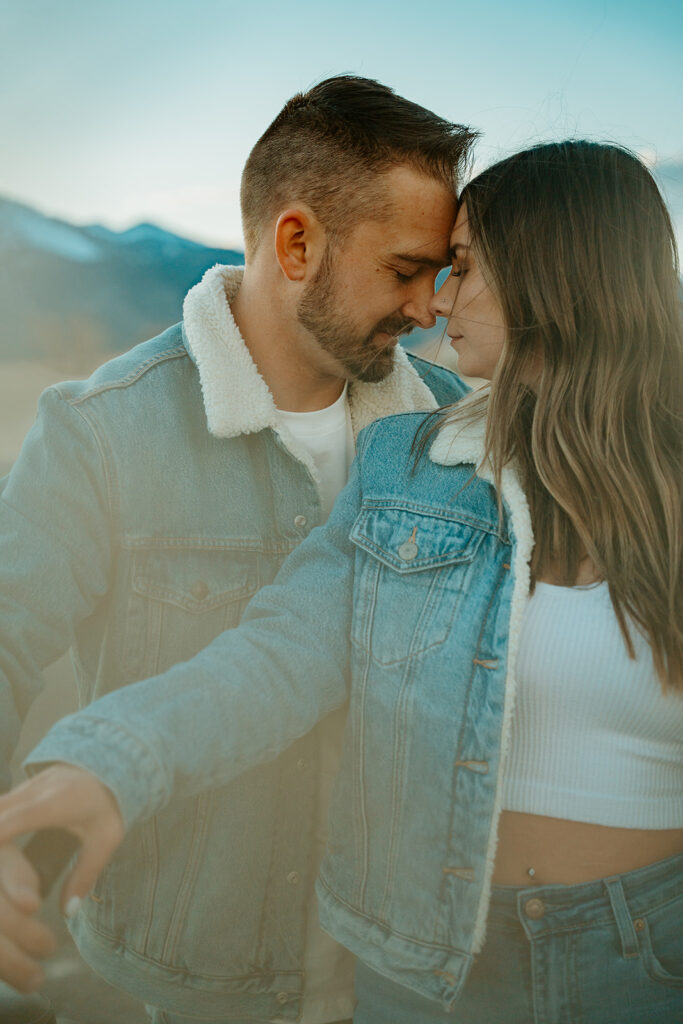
22	938
61	796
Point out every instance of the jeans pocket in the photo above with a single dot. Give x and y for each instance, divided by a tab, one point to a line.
660	933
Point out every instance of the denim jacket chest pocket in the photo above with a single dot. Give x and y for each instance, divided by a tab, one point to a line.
180	598
414	568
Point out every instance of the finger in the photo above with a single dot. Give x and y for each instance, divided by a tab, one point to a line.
32	814
25	932
18	969
18	880
60	796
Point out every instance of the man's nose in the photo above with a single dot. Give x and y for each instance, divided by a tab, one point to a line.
418	307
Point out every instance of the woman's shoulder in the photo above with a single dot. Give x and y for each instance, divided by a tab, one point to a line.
395	435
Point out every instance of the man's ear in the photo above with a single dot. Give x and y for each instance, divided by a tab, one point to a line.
299	243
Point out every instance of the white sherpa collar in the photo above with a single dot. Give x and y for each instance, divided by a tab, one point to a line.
237	399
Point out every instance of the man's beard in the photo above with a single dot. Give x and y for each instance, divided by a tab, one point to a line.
360	355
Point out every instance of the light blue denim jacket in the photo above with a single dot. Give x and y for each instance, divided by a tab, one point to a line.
134	534
413	591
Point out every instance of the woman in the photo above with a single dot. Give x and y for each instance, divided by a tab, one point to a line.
564	294
506	831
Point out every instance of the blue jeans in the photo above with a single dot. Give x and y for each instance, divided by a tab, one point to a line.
605	952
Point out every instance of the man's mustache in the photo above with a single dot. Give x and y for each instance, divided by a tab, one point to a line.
395	327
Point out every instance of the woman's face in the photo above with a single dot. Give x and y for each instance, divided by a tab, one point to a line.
475	318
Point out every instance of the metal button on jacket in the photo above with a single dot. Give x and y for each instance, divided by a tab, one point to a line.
199	590
293	877
408	550
535	909
299	521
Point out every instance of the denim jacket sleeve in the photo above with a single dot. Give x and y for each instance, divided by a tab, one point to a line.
55	551
243	699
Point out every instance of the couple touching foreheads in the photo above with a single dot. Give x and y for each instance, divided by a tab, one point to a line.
475	661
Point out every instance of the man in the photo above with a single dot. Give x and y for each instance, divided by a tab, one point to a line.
150	502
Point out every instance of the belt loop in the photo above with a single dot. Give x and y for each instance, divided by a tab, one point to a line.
627	933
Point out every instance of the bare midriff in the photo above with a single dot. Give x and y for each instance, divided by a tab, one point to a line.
565	852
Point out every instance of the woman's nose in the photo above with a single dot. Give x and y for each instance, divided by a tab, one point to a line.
442	301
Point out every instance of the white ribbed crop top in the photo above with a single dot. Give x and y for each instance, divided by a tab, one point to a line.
593	737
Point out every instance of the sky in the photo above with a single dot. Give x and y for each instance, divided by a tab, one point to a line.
142	110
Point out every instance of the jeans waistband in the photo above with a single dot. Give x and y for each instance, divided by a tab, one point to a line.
558	907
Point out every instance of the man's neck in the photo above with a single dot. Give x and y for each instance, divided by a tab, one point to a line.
289	363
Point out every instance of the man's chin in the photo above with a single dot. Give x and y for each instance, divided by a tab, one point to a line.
377	370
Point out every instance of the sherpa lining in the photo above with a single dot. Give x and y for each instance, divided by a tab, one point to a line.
237	399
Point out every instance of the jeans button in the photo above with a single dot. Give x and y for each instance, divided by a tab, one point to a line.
535	909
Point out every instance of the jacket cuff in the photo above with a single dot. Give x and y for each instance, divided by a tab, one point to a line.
114	756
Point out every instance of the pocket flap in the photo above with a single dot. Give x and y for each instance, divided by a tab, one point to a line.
195	580
409	541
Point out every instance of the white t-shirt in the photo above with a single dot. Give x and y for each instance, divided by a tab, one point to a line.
328	437
328	996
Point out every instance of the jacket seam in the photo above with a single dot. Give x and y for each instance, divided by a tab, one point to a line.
107	460
132	378
389	928
381	504
123	947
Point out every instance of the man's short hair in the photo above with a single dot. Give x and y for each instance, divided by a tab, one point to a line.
328	147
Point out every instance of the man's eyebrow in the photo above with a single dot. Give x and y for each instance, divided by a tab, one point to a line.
423	261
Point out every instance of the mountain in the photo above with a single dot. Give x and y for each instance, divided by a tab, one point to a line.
77	295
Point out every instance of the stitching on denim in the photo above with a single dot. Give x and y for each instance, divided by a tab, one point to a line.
365	843
148	588
431	511
441	946
124	382
133	954
403	701
197	844
481	767
415	650
257	546
362	541
442	907
107	460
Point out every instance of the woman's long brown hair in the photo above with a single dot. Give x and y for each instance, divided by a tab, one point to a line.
579	249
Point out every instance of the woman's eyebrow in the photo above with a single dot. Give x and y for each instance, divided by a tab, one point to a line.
453	251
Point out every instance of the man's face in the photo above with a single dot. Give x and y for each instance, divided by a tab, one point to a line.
379	281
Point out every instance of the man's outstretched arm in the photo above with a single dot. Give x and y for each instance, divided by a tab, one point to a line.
55	553
241	701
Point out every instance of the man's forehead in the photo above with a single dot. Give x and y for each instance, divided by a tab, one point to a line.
430	256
